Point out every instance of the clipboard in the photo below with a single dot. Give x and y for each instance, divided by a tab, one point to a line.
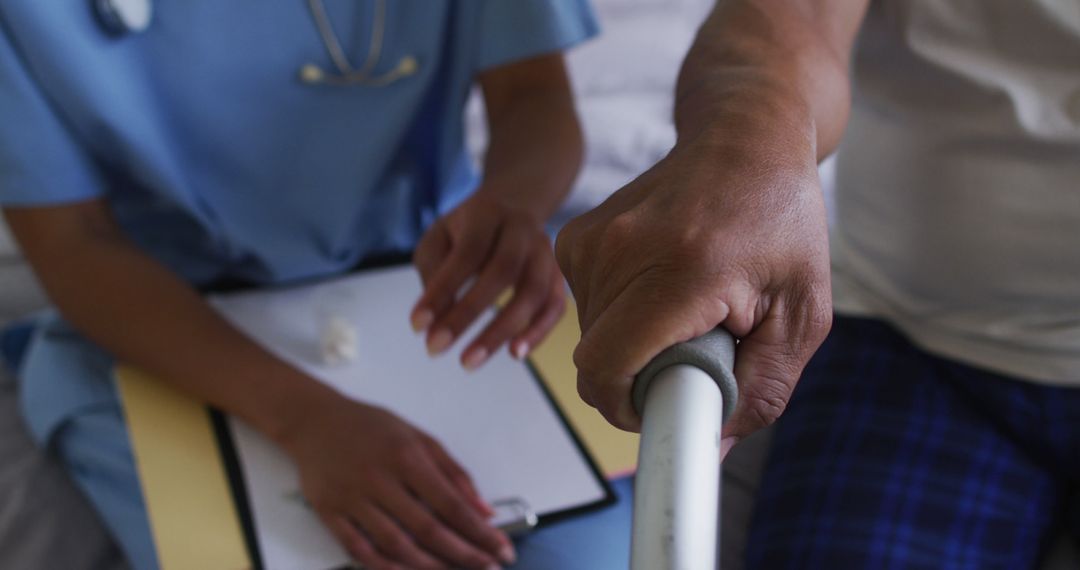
525	520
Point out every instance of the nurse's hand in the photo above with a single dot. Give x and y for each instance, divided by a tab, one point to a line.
710	236
467	259
390	493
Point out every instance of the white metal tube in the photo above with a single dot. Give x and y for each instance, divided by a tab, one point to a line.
677	489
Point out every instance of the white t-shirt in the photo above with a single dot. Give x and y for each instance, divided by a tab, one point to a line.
958	182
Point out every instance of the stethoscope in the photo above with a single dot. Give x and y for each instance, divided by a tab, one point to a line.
121	17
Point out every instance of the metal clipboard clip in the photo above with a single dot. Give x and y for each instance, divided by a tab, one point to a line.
514	516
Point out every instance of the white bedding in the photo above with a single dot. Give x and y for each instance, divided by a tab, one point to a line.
624	82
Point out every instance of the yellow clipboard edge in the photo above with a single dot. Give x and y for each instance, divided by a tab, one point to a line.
614	450
186	490
188	498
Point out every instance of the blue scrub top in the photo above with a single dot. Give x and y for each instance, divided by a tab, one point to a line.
218	160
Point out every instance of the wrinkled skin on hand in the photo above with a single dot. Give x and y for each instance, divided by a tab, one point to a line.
710	236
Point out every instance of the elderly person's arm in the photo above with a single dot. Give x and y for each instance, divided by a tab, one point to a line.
730	228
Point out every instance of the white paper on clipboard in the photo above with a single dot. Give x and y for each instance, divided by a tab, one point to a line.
496	421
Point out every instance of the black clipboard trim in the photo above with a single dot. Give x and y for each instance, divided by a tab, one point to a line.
230	459
609	497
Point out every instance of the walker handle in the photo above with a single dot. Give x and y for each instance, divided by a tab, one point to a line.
684	395
713	352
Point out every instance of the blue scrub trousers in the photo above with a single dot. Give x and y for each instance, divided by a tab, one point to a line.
69	401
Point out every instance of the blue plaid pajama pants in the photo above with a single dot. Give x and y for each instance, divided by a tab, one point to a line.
891	458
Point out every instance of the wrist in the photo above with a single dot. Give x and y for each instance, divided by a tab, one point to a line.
287	403
531	208
753	111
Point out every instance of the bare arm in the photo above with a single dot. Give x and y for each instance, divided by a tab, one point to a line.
351	456
729	229
143	314
536	142
778	65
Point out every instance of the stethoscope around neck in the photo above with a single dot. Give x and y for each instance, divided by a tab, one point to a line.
120	17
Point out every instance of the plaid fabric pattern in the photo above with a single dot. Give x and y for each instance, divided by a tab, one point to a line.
891	458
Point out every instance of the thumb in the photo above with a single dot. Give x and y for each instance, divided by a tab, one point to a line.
768	363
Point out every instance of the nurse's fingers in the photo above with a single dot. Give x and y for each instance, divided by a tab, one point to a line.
448	504
392	542
428	256
356	544
466	255
457	475
432	534
431	250
498	272
530	297
544	322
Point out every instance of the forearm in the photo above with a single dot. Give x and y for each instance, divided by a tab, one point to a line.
770	76
535	148
146	316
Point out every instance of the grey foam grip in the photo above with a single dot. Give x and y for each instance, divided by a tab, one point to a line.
713	352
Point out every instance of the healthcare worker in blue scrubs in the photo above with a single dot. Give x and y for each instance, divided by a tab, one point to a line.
150	150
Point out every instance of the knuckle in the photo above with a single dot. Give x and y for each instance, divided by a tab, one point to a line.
585	391
459	478
406	457
527	303
585	363
474	247
688	244
450	508
619	230
505	267
766	401
396	545
463	261
428	531
463	314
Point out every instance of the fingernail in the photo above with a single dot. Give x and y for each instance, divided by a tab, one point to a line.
474	358
421	320
726	444
439	341
507	554
520	350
